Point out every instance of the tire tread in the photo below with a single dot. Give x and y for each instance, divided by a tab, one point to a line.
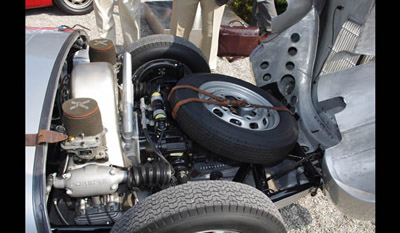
195	199
142	47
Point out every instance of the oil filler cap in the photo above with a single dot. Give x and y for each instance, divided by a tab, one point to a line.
82	115
102	50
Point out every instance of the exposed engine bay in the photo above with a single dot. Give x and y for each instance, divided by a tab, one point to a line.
123	145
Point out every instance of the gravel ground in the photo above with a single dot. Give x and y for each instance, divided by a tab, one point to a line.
309	214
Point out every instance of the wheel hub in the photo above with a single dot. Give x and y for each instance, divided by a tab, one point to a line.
244	117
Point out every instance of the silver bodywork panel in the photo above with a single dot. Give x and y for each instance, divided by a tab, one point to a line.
335	103
290	66
295	11
41	50
350	165
366	41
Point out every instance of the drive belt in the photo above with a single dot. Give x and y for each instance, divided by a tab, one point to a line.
217	101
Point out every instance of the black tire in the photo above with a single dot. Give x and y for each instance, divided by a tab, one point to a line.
164	46
203	206
74	9
267	147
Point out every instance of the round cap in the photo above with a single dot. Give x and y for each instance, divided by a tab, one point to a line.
82	115
102	50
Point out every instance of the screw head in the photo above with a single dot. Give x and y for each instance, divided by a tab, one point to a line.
112	172
66	176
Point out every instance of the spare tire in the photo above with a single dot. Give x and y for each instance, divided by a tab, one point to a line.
245	134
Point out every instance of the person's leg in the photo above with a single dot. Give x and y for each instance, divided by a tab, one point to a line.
266	11
183	13
129	11
103	10
254	17
211	21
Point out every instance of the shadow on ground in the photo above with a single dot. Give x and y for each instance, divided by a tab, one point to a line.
296	216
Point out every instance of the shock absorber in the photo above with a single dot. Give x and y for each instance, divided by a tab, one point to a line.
159	115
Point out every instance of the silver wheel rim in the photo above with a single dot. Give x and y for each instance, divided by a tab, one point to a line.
251	118
78	4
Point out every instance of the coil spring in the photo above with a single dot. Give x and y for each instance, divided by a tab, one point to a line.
142	89
150	175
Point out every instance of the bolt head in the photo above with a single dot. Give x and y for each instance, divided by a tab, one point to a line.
112	172
114	187
66	176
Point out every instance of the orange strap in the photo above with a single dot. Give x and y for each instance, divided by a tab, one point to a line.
219	101
44	136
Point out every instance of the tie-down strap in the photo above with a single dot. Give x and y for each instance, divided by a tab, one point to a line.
218	101
44	136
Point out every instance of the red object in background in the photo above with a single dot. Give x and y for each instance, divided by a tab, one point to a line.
37	3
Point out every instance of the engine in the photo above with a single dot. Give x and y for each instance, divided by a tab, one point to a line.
122	146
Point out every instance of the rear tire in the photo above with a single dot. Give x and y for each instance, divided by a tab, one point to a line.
204	206
167	47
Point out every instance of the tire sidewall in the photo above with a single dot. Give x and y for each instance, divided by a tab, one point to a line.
167	47
284	135
237	222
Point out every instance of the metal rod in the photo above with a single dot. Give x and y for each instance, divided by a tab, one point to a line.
127	117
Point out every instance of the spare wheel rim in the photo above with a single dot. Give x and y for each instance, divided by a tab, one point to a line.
251	118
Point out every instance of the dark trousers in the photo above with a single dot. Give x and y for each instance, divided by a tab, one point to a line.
262	14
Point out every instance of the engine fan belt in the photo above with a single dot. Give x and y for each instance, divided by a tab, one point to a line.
44	136
219	101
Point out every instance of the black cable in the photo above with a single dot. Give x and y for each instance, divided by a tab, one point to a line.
332	40
333	22
153	146
108	214
160	138
87	217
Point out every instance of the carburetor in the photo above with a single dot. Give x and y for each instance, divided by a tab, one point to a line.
82	120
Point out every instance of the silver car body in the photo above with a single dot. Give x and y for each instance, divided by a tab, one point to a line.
45	49
321	58
334	100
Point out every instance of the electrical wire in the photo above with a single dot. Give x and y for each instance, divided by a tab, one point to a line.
339	7
153	146
108	214
333	23
55	202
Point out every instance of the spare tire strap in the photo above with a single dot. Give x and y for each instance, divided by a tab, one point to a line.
219	101
44	136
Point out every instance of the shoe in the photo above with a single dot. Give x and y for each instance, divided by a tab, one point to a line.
264	36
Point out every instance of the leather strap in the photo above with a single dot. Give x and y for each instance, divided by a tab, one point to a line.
237	21
219	101
44	136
